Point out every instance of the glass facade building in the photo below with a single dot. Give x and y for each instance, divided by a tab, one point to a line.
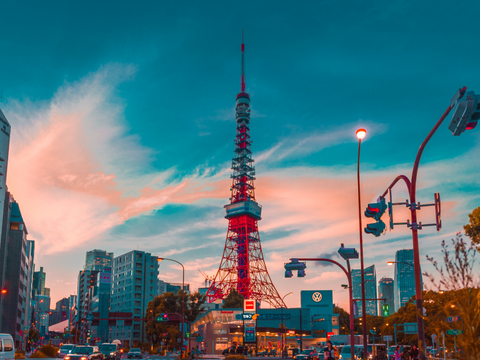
404	284
98	260
370	290
386	291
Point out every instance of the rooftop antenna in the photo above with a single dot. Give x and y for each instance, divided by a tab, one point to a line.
242	85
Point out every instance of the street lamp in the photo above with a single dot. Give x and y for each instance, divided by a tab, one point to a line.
283	324
361	133
183	299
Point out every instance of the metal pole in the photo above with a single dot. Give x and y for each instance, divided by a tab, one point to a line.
395	331
416	252
364	310
352	324
443	336
455	342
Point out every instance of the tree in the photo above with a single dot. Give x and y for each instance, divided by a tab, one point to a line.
472	230
343	320
461	295
171	303
234	300
33	335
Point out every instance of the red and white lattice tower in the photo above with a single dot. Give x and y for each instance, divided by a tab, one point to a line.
243	267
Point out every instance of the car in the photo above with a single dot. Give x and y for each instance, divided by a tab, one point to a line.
7	351
110	351
374	352
84	353
134	353
346	353
306	355
233	350
65	350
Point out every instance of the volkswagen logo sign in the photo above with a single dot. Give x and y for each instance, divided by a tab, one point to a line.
317	297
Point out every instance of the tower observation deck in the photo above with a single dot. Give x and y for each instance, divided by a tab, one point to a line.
243	266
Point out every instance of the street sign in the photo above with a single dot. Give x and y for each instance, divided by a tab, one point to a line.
67	335
453	318
89	317
250	335
243	316
373	332
199	339
454	332
387	337
410	328
250	305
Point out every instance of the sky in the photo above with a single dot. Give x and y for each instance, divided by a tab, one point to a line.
123	124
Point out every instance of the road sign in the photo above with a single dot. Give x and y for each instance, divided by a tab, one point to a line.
199	339
387	337
410	328
454	332
373	332
66	335
250	305
89	317
453	318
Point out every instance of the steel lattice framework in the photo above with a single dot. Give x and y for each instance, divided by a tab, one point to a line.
243	267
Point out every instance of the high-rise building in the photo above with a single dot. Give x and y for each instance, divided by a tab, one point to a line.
62	307
370	290
100	303
29	297
4	148
386	291
164	287
404	286
98	260
16	304
38	286
134	286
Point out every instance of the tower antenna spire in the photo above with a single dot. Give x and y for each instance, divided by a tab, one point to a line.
242	84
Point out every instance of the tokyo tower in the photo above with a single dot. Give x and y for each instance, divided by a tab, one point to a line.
243	267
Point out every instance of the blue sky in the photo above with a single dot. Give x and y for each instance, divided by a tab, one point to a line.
123	124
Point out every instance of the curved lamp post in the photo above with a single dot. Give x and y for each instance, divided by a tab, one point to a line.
361	133
183	298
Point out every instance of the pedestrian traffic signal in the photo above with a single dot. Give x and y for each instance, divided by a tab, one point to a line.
385	310
162	317
376	210
466	113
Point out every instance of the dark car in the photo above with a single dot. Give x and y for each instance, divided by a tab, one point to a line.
134	353
85	353
110	351
306	355
234	350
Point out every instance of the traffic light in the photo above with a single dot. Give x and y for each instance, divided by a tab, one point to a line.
162	317
385	310
295	265
376	210
466	113
348	253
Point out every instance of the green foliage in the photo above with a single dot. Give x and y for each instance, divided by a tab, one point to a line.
472	230
33	335
461	296
234	300
171	303
343	319
19	354
234	357
49	350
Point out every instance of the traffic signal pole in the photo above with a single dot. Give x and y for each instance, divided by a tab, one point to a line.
350	292
411	186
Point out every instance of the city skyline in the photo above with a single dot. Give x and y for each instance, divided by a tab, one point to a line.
137	134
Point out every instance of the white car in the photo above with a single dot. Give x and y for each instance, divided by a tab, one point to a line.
65	350
7	350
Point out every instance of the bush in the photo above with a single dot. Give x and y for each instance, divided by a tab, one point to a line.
19	354
234	357
49	350
38	355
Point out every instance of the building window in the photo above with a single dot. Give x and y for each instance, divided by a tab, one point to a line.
138	288
136	334
138	272
136	327
138	303
137	312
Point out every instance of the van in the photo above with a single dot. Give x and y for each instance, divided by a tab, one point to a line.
7	349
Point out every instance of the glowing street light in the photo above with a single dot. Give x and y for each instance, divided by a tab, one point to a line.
361	133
